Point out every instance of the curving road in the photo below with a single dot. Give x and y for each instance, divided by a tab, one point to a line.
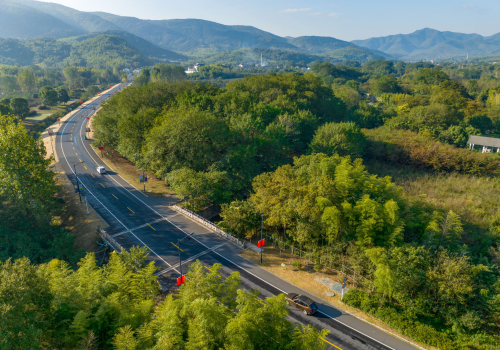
136	219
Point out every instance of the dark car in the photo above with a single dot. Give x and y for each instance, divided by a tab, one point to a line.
301	302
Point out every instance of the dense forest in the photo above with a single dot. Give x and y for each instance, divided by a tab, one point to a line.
313	151
26	81
99	52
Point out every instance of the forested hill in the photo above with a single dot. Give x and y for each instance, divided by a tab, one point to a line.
21	22
102	51
432	44
147	48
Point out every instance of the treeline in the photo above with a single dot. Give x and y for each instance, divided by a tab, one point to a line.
117	306
27	81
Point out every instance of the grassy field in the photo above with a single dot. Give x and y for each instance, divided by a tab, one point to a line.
474	198
42	114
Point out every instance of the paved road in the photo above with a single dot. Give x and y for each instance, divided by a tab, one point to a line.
136	219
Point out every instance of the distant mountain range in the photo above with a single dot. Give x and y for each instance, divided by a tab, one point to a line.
22	19
433	44
178	39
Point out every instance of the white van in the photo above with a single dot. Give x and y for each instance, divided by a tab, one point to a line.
101	170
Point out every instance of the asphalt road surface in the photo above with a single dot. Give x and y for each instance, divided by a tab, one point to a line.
136	219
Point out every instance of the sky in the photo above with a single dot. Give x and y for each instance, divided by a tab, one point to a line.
342	19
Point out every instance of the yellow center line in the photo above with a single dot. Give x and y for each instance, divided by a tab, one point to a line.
102	185
326	341
73	147
130	210
210	270
93	175
114	195
151	227
75	152
80	160
85	167
177	247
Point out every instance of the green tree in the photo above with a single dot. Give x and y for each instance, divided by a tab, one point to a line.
143	78
19	107
346	139
385	84
62	95
25	305
167	72
26	79
72	74
4	109
48	96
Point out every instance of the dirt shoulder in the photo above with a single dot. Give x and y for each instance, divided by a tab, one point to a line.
309	280
127	170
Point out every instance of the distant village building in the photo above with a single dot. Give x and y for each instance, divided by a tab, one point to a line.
194	69
243	65
137	71
488	144
305	69
126	70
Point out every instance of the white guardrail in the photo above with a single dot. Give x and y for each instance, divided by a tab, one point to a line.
208	224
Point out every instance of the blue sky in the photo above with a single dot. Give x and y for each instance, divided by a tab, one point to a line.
342	19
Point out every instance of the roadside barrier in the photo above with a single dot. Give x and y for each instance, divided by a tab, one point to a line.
208	224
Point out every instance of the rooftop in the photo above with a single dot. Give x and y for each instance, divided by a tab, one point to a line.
484	141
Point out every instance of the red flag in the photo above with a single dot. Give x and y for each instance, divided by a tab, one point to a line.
183	279
179	281
258	244
264	242
58	119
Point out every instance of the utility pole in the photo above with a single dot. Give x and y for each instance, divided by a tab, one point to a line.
261	233
77	182
87	204
179	247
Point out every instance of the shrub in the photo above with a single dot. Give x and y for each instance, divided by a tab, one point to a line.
42	107
398	320
318	267
32	112
297	265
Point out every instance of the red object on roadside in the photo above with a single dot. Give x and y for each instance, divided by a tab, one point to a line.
101	148
181	280
263	242
58	119
81	102
258	244
88	117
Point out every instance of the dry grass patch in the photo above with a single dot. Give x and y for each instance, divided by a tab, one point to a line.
74	218
305	279
127	170
474	198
